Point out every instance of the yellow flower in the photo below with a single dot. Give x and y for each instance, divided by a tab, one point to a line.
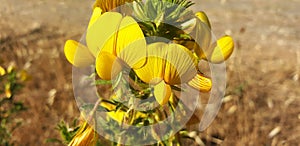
78	54
171	64
111	38
107	5
216	52
2	71
23	75
11	67
117	37
85	136
221	50
116	41
8	93
203	18
119	114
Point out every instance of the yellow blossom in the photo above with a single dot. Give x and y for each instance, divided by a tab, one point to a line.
119	114
85	136
221	51
114	41
2	71
216	52
117	41
11	67
107	5
78	54
110	40
170	64
8	93
203	18
23	75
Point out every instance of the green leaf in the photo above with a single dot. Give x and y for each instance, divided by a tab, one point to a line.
53	140
102	82
90	106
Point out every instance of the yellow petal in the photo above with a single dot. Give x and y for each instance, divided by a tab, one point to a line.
11	67
118	35
201	83
162	92
131	43
108	105
223	50
153	71
119	115
108	5
107	66
77	54
8	93
96	14
23	75
203	17
173	63
2	71
101	31
202	36
116	115
180	65
85	136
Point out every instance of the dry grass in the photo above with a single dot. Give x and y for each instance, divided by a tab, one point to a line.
263	96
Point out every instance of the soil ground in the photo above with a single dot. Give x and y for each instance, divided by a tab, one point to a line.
262	75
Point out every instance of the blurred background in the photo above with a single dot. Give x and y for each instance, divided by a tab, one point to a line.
262	101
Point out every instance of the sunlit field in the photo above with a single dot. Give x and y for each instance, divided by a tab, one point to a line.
262	99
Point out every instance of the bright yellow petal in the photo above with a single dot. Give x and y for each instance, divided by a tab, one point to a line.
23	75
107	66
173	63
108	5
77	54
108	105
2	71
120	36
162	92
116	115
180	65
119	115
203	17
11	67
153	71
223	50
102	32
202	36
84	136
131	43
96	14
201	83
8	90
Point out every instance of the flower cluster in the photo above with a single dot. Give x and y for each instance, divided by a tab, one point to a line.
160	41
12	80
